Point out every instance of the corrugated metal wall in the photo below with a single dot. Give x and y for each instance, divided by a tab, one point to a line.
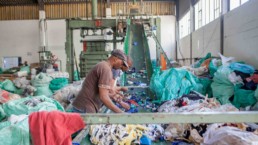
81	9
19	12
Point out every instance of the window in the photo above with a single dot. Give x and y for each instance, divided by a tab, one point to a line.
236	3
217	8
198	15
184	25
206	11
211	10
207	14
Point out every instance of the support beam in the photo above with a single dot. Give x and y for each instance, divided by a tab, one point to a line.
42	30
192	28
177	29
69	51
165	118
158	35
94	9
225	8
104	23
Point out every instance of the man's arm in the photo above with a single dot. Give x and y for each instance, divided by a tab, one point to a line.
103	94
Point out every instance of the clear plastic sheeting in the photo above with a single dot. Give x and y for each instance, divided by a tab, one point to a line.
175	130
21	82
65	95
31	104
227	135
58	75
207	105
226	60
233	78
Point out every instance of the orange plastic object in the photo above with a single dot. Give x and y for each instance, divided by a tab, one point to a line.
163	62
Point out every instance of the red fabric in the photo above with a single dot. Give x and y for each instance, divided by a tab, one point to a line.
133	102
254	78
54	128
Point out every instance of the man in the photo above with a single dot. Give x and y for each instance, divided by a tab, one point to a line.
96	86
116	90
117	73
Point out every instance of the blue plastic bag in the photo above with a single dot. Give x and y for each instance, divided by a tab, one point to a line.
244	68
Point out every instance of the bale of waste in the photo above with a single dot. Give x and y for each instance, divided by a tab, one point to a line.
41	82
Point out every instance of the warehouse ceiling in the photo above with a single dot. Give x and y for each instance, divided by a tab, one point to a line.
29	2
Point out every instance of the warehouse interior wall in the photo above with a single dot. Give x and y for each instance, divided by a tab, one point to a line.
21	38
241	33
240	37
206	39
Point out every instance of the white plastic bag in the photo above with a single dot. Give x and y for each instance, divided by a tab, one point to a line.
227	135
233	78
226	60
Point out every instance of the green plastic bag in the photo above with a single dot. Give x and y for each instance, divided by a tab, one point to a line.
256	93
203	86
155	83
9	86
171	84
21	106
15	134
222	88
41	80
58	83
213	66
243	98
199	63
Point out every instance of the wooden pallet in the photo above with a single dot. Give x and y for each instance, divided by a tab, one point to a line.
7	76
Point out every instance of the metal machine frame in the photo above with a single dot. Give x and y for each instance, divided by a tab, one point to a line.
82	24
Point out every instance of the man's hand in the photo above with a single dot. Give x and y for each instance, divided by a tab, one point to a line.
117	97
104	97
123	89
124	105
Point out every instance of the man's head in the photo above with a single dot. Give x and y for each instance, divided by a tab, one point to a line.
129	62
119	59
